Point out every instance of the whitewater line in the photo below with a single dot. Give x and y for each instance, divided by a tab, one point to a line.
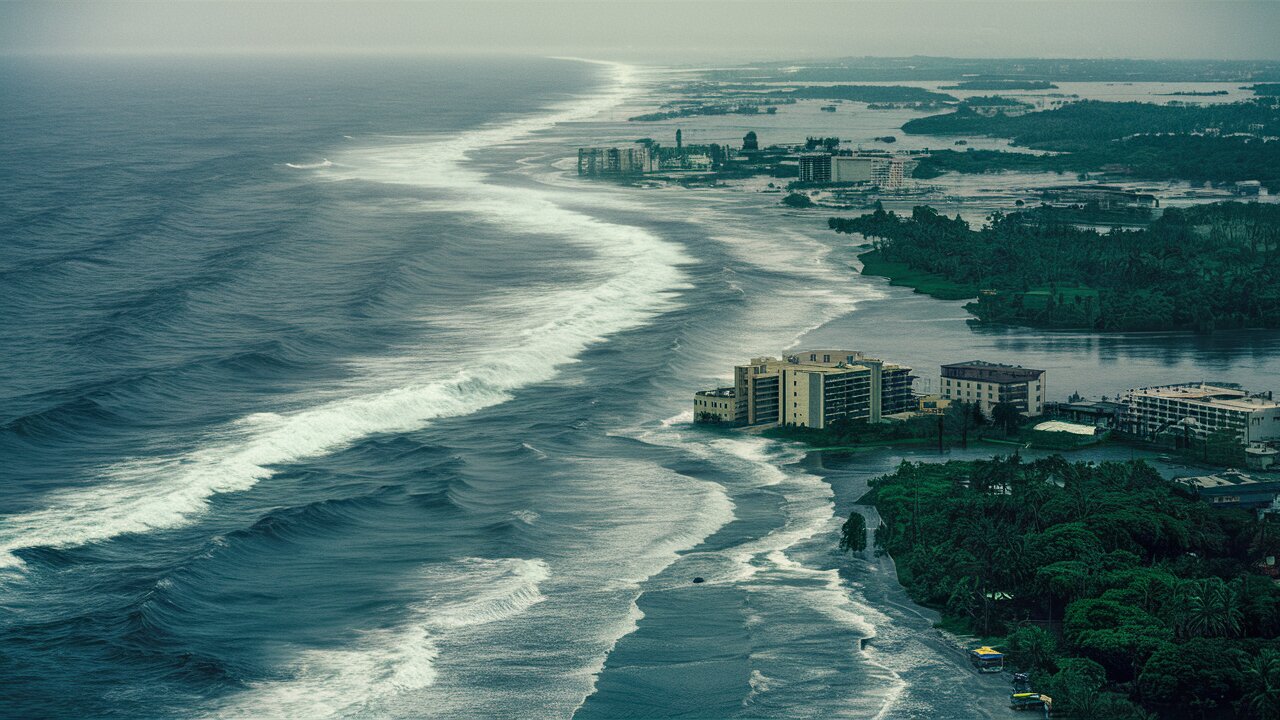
639	272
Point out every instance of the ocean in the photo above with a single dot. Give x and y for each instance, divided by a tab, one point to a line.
330	390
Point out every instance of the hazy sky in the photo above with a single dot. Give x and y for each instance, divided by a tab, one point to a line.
655	30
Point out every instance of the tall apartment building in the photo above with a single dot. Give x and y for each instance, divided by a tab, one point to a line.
1202	410
853	168
615	161
890	172
989	384
810	389
815	168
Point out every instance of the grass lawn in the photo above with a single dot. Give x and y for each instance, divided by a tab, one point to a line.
923	282
1037	298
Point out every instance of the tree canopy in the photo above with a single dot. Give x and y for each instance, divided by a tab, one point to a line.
1203	267
1112	586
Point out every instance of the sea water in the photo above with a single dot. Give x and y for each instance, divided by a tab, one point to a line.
330	390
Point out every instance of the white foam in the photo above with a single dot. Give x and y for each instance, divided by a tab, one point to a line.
634	275
310	166
383	664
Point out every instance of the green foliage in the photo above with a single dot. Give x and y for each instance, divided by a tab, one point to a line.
873	263
1090	123
1260	676
699	109
1199	143
1200	675
853	534
846	432
1106	579
1032	649
1204	268
870	93
797	200
997	84
1006	416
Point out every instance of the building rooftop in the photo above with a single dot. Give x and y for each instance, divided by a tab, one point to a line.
1224	479
725	392
1209	395
990	372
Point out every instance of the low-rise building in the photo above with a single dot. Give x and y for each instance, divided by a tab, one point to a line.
718	406
932	404
810	389
1105	197
1234	489
1099	413
990	384
1201	410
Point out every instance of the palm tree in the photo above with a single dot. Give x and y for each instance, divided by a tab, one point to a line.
1262	685
1206	608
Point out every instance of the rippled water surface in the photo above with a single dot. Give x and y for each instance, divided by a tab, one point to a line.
330	391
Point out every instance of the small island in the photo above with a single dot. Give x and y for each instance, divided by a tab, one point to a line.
1002	84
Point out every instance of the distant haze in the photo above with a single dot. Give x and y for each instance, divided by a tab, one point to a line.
653	30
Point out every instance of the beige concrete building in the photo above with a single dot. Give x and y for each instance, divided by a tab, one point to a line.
718	406
989	384
1202	410
810	389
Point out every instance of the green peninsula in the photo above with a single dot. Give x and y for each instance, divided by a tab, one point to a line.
1202	268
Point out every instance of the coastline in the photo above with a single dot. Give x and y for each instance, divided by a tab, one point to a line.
931	660
902	275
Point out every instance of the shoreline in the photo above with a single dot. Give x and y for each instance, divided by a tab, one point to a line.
943	674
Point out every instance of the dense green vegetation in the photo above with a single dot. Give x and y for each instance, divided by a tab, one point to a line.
960	423
1088	214
853	534
694	110
881	69
870	93
1202	268
797	200
1112	586
931	284
1192	158
1217	143
1196	93
997	84
1081	125
1266	89
991	100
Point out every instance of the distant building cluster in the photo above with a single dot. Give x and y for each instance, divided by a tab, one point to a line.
1104	197
813	387
819	161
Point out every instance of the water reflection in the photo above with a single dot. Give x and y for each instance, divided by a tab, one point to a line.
924	333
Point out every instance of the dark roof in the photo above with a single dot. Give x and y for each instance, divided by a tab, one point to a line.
990	372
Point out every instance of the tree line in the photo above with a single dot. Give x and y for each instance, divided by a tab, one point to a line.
1116	589
1204	267
1217	143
